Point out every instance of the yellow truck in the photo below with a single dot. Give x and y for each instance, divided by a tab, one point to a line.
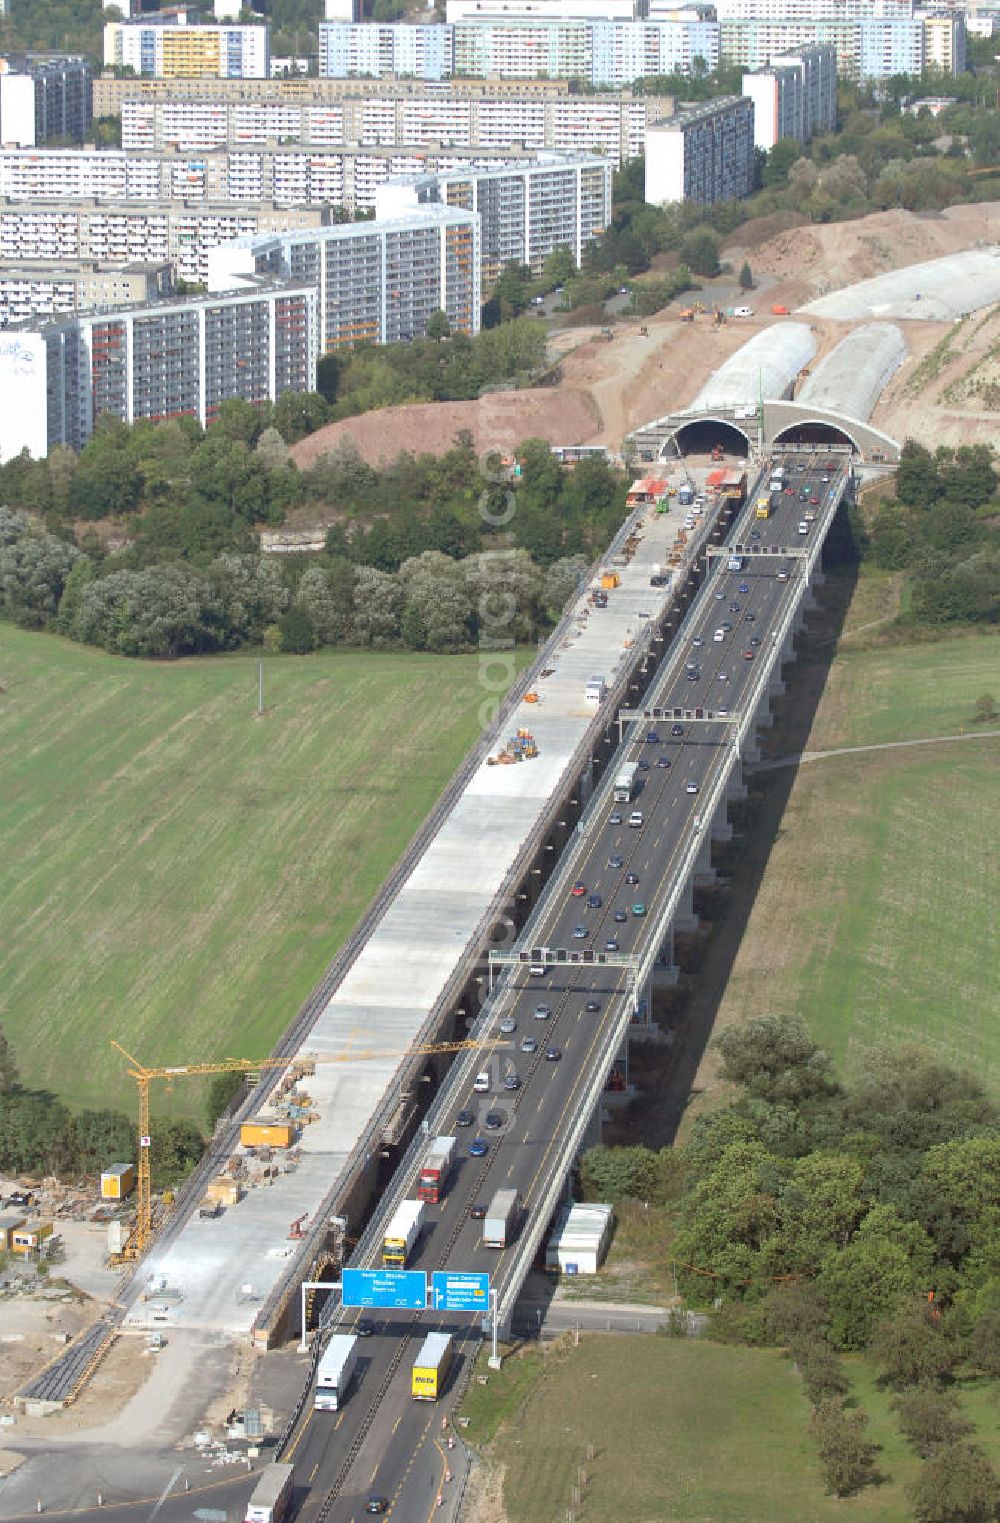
763	508
431	1366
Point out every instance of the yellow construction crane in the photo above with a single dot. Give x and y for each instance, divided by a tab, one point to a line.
143	1076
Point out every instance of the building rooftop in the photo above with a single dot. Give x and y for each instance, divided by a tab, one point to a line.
251	285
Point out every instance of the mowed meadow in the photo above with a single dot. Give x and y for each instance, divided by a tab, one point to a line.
175	871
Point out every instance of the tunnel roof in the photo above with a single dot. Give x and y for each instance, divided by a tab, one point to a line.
852	376
948	287
766	365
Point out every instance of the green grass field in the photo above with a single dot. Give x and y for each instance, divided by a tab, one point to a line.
176	872
680	1432
877	906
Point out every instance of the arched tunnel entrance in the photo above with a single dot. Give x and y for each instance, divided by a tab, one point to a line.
808	432
701	436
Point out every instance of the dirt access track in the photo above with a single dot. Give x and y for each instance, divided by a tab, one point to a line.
607	389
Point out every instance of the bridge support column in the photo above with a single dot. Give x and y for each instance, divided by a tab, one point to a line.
685	920
704	872
736	788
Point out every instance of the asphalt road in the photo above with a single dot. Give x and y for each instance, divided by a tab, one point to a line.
380	1442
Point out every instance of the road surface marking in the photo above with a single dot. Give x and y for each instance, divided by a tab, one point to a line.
337	1424
396	1424
312	1473
298	1436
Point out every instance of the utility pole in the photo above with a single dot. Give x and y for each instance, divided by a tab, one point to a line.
260	688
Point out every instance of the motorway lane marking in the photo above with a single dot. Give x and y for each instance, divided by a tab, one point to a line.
396	1424
337	1424
298	1437
312	1473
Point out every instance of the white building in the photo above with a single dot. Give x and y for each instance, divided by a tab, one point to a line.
44	96
890	47
46	288
579	1238
374	49
790	11
376	282
168	48
704	154
561	10
794	98
169	359
601	52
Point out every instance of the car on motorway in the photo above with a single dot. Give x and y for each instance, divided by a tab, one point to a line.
478	1210
829	465
482	1083
615	818
690	786
803	527
639	908
593	1007
507	1025
693	676
579	889
744	588
734	608
719	595
721	709
620	917
754	534
652	739
494	1120
663	761
553	1054
726	625
529	1044
579	932
748	654
814	501
755	641
511	1081
697	642
611	945
719	636
635	819
800	465
675	730
750	618
542	1012
782	576
642	764
465	1118
478	1147
631	877
594	902
804	495
615	861
376	1506
364	1327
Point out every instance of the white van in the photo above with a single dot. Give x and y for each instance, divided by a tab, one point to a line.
635	819
482	1084
743	311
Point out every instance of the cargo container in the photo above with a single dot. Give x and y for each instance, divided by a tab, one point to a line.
435	1169
431	1366
118	1182
272	1496
500	1221
259	1133
402	1233
335	1372
625	782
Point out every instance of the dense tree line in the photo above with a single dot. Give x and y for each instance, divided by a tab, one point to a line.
410	562
941	528
39	1135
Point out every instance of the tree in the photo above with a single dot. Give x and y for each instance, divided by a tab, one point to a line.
779	161
438	327
378	605
775	1058
910	1347
956	1485
327	596
559	267
33	573
821	1371
162	611
8	1066
252	592
222	1090
930	1418
298	413
845	1453
746	276
986	709
271	449
103	1138
239	421
918	484
177	1146
298	637
700	251
888	1259
796	1314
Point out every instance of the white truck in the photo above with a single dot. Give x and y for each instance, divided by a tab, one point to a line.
595	690
272	1495
625	782
401	1234
335	1372
500	1221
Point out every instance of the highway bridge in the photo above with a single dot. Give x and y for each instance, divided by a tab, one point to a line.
695	728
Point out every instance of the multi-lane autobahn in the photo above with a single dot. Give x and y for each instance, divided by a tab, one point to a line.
372	1446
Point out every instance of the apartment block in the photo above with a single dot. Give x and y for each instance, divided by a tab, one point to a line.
44	96
374	50
376	282
600	52
944	41
702	154
614	125
46	288
169	359
525	210
124	234
890	47
794	98
166	47
563	10
792	11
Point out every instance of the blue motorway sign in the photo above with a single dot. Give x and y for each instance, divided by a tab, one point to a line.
460	1292
401	1288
